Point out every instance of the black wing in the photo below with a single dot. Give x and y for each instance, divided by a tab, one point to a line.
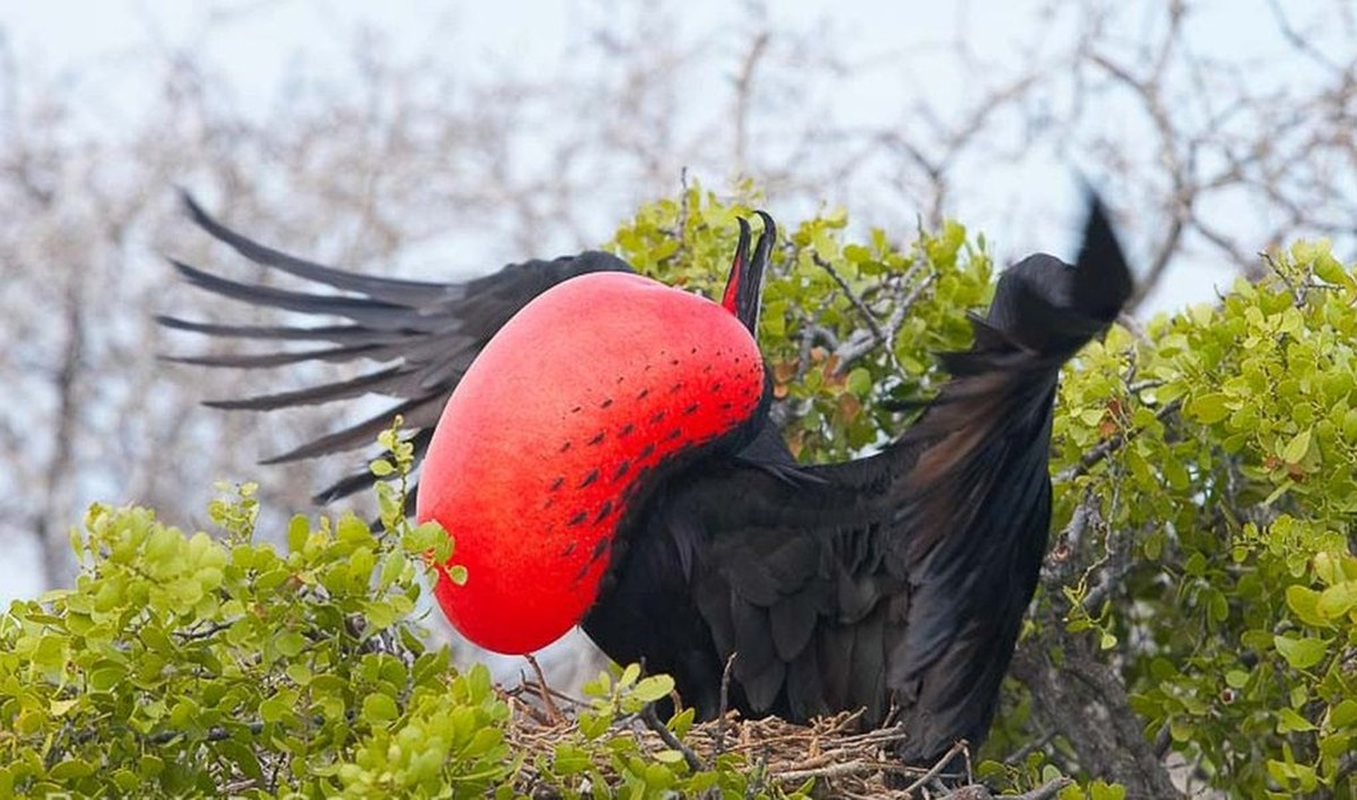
421	336
899	579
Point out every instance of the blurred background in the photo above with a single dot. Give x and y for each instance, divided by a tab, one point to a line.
441	140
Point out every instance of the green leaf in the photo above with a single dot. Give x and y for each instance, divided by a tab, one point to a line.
569	760
273	710
653	688
298	529
1209	408
860	381
71	769
289	643
1305	603
299	673
1288	721
594	725
1099	790
1338	600
107	676
1295	450
1343	714
1301	653
1330	269
378	708
393	567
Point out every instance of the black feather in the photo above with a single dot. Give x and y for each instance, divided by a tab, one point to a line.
899	578
426	333
389	290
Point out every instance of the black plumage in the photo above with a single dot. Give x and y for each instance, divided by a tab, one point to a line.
897	580
422	335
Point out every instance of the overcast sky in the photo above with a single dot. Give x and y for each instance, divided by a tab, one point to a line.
101	51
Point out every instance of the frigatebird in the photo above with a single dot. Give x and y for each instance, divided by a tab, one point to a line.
605	457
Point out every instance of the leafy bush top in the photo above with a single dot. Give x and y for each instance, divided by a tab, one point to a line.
1206	482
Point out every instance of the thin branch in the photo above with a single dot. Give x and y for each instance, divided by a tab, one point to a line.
1047	790
543	692
937	768
1109	446
653	722
744	91
724	706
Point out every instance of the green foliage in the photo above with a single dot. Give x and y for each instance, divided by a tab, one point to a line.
917	291
1229	509
181	664
1214	455
191	665
1206	484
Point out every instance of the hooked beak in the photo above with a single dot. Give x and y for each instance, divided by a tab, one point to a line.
744	288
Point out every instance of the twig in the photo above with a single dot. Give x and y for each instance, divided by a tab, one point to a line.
216	627
683	211
759	776
936	770
1047	790
853	298
1300	42
724	707
837	770
856	345
1021	754
516	702
1055	567
652	721
744	91
1108	446
543	692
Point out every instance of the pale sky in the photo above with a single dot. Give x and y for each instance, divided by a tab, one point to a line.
265	46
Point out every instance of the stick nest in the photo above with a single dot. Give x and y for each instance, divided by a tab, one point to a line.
842	760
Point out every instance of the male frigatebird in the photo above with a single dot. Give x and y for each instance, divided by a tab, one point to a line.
605	457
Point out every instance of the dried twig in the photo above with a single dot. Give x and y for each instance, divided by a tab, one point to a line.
720	728
543	692
937	768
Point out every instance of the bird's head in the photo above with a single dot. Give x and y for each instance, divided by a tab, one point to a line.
561	425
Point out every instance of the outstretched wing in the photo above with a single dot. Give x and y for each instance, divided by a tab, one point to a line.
898	580
420	336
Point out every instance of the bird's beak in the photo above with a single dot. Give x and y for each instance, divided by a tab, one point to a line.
744	288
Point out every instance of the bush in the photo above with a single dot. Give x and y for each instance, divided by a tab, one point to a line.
1206	481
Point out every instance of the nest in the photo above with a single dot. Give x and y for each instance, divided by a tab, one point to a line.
842	760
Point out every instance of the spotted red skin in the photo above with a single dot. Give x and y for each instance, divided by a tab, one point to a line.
539	450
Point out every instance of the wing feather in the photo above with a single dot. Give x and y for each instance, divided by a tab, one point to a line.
423	334
900	578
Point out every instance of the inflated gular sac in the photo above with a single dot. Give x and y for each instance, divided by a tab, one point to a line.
545	440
